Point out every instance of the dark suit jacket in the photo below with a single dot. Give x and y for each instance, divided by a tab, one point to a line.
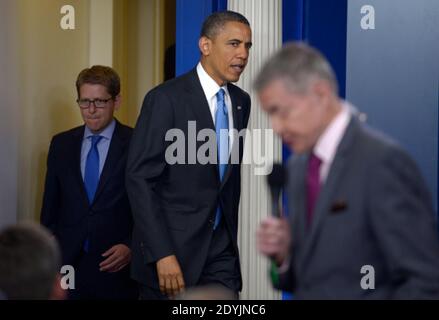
374	209
66	211
174	205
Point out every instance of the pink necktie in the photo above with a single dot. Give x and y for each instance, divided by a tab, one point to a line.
312	186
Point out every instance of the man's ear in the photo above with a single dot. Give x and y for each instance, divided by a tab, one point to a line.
117	102
322	90
204	45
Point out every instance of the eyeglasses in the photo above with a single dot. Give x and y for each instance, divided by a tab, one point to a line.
98	103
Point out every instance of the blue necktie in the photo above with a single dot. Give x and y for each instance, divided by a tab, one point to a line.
91	174
222	138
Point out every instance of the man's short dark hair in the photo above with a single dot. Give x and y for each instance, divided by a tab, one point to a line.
102	75
29	262
216	21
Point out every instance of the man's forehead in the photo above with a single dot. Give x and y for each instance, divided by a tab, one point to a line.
92	88
276	92
235	29
274	86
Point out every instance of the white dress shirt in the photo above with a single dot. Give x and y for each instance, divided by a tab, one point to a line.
103	146
327	144
211	88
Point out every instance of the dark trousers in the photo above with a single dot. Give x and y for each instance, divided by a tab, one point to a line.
221	267
92	284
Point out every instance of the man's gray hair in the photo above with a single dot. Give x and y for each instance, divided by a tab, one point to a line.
298	64
29	262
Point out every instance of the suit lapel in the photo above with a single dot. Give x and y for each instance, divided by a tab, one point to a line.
200	107
115	153
237	124
198	103
329	188
236	108
297	206
75	164
299	198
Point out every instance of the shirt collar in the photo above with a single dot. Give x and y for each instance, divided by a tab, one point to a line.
210	87
327	144
107	133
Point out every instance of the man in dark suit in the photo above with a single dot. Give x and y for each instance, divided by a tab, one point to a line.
85	203
186	213
362	223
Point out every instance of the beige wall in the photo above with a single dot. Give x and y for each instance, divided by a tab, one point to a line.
41	62
138	51
48	61
9	114
100	35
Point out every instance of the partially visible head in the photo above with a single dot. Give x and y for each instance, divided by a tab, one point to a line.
102	85
29	263
298	89
225	42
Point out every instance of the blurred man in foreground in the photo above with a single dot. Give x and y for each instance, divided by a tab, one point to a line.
362	223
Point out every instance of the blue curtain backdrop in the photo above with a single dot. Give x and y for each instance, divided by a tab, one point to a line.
322	24
190	15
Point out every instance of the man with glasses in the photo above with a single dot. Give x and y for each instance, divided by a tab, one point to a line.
85	203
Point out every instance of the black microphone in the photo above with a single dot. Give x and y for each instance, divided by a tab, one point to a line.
276	180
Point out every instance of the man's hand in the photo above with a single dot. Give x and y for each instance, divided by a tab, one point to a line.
171	280
118	257
274	238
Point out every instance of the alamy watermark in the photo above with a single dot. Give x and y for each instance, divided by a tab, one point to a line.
368	280
67	281
201	147
67	21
